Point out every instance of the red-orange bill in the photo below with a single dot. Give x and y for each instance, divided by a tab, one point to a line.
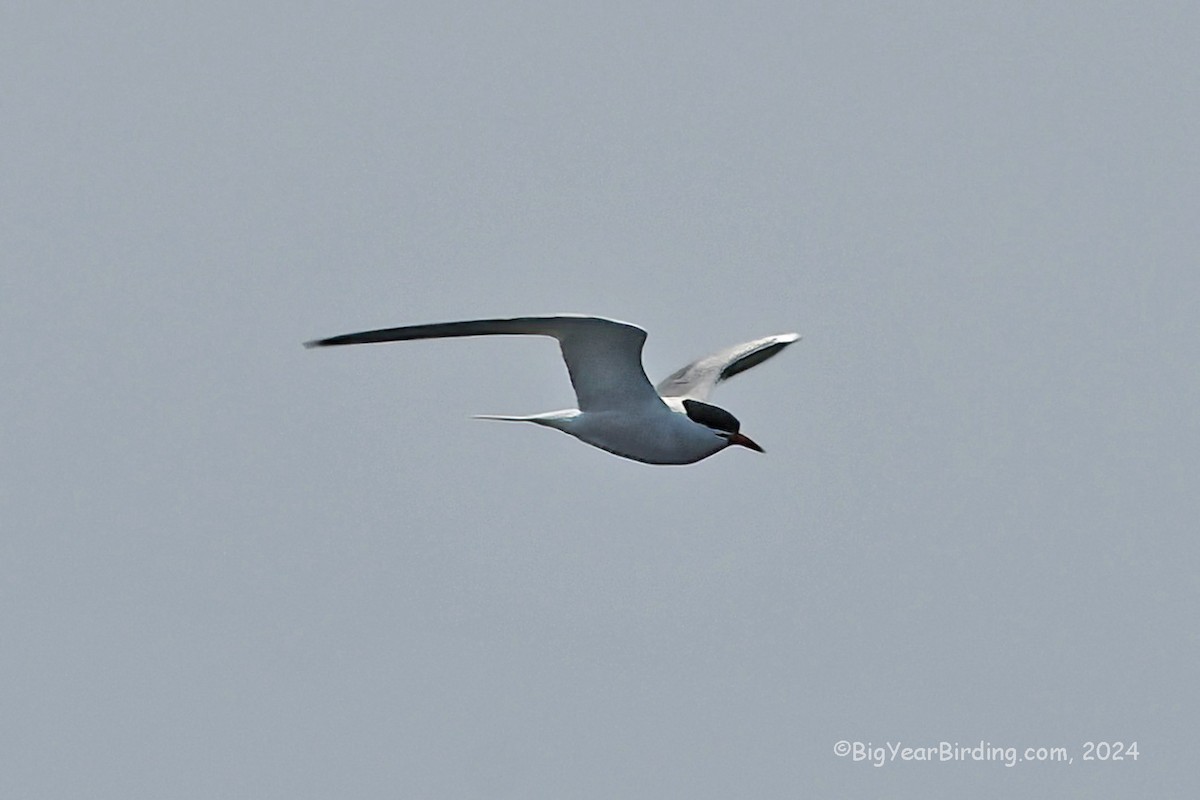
745	441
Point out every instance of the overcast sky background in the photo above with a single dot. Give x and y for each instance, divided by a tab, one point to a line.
231	567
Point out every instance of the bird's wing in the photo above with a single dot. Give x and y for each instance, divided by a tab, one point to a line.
699	378
604	356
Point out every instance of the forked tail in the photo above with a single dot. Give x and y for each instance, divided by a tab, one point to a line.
551	419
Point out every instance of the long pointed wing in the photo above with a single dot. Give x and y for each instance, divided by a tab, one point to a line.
699	378
603	356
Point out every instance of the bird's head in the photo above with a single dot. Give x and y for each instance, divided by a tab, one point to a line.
720	422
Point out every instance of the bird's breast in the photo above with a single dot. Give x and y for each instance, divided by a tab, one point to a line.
659	437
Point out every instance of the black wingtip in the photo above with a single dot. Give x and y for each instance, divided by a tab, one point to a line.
347	338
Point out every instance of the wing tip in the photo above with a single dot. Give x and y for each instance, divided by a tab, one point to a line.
366	337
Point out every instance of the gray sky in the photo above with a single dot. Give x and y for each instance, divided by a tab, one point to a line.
231	567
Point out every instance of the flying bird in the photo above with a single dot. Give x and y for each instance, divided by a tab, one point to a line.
619	410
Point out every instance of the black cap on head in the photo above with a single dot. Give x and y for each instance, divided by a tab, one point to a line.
713	416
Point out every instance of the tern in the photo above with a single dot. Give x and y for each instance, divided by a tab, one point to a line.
619	410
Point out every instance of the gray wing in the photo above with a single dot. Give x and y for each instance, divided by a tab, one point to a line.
699	378
603	356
